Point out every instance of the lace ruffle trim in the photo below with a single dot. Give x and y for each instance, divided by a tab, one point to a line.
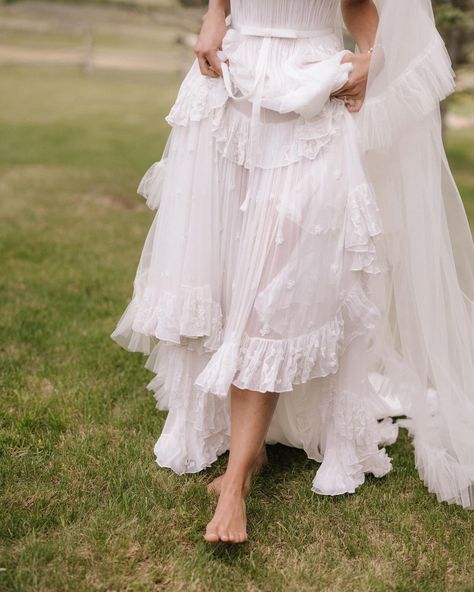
363	223
353	434
196	431
201	97
151	184
178	318
277	365
409	97
198	96
279	144
193	313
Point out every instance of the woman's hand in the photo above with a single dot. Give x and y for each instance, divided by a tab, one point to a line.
209	42
353	92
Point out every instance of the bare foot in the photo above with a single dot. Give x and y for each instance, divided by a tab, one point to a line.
262	459
229	523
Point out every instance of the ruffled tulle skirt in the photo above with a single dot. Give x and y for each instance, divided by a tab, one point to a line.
260	271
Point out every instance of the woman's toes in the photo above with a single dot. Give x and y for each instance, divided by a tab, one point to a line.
211	537
237	537
215	485
224	536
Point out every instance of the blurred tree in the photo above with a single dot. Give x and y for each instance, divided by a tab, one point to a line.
455	22
194	2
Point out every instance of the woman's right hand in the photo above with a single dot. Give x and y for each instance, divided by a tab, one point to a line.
209	42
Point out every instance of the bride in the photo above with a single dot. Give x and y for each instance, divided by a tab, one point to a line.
308	276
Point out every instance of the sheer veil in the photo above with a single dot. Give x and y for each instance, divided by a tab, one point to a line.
426	345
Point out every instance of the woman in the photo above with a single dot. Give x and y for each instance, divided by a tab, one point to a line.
309	273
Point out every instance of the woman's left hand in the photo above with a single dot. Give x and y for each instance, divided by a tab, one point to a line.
353	92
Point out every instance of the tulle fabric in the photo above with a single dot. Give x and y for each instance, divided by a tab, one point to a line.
270	264
428	243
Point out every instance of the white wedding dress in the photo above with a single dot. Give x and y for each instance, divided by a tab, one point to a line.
264	266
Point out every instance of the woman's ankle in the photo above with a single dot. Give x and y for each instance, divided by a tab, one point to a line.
236	482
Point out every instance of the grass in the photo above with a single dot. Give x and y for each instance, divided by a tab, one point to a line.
83	506
98	36
459	146
160	4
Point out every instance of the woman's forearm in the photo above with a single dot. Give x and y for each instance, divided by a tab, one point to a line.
361	19
222	6
213	30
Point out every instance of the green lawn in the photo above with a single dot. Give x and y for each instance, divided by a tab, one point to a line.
83	505
122	3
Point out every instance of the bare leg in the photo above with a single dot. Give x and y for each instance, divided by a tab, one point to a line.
260	461
251	413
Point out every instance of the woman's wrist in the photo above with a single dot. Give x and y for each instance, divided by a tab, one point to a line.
374	47
364	48
365	56
215	12
217	9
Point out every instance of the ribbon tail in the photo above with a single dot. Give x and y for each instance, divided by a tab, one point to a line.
255	117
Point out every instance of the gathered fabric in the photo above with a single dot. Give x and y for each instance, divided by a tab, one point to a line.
270	262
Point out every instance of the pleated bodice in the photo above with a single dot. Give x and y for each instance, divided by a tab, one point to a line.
294	14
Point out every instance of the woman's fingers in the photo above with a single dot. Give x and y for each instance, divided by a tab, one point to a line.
348	57
353	92
210	38
347	91
350	88
352	95
209	64
205	67
353	88
354	105
214	62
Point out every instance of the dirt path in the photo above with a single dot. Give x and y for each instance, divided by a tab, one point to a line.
96	59
98	37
